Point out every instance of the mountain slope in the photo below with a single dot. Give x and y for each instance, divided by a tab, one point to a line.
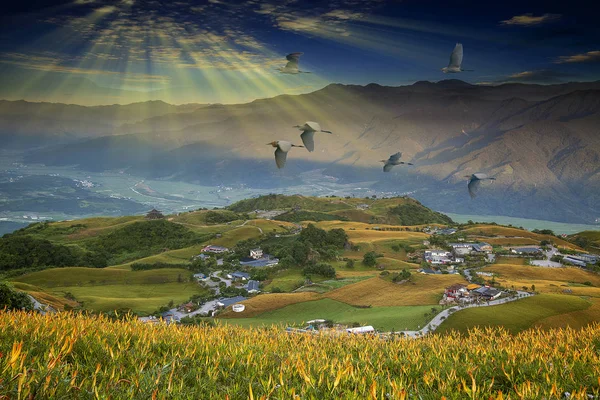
540	142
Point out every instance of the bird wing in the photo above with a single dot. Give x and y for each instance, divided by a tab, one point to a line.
479	175
473	187
456	56
313	125
308	138
280	157
387	167
395	157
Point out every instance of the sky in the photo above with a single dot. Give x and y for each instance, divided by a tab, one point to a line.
94	52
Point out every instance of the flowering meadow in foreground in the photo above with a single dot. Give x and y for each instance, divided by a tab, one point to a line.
67	356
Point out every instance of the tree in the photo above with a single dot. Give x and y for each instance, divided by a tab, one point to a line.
14	300
350	263
322	269
370	259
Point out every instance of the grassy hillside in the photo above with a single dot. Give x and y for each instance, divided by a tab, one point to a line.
587	239
515	316
383	318
69	356
513	236
110	289
397	211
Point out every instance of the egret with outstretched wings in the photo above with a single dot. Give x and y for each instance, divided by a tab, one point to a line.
393	160
282	148
308	133
475	182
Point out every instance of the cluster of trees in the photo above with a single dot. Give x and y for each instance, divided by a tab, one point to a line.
22	251
298	216
544	232
140	239
322	269
401	276
414	213
14	300
146	236
370	258
312	245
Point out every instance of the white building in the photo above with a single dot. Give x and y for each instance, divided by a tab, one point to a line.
256	253
361	330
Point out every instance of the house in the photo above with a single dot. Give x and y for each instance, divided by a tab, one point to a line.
361	330
455	291
154	214
532	250
237	275
256	253
169	317
574	260
215	249
188	307
437	257
253	286
447	231
461	249
587	258
225	302
487	293
473	286
482	247
200	276
266	260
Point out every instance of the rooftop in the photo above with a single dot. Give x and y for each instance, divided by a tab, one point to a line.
224	302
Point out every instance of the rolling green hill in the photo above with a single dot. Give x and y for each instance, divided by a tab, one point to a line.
395	211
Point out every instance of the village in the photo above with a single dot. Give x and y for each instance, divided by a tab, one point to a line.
438	257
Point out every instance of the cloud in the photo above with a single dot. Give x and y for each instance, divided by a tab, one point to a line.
530	19
590	56
84	1
537	76
325	19
106	9
53	62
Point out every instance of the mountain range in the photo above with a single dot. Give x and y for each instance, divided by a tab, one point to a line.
540	142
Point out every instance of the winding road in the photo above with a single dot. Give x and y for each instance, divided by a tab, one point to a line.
438	319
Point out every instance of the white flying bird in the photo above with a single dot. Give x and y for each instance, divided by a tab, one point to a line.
475	182
292	66
393	160
456	59
308	133
281	153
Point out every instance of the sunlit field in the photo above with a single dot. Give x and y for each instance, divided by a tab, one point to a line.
69	356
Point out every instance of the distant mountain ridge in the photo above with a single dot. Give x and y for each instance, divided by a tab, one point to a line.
540	142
